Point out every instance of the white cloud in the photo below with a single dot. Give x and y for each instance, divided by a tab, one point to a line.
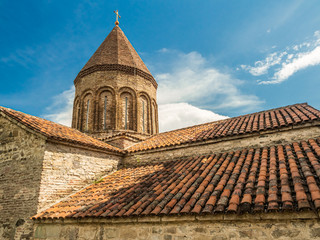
163	50
178	115
60	110
191	79
301	61
261	67
283	65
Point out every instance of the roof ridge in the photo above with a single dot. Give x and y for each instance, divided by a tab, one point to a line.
127	44
117	43
37	117
57	131
229	118
235	126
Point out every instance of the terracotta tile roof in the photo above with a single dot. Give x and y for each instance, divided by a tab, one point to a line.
250	123
277	178
56	131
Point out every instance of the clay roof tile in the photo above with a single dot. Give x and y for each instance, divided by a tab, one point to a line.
56	131
297	114
219	183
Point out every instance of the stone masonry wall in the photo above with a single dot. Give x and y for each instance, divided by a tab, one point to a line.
35	173
255	140
67	169
21	154
181	228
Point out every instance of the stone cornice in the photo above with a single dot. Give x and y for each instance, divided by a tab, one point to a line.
117	67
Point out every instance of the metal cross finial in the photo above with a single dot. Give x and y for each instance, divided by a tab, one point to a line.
117	17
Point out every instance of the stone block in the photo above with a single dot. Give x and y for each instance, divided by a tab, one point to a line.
315	233
40	232
128	233
89	232
285	232
110	233
53	232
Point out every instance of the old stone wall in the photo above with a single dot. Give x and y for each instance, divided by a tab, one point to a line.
35	173
257	140
21	154
182	228
67	169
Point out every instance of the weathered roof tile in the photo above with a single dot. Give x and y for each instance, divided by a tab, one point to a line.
265	179
297	114
56	131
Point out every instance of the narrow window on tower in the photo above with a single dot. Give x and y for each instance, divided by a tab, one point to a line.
126	113
105	113
78	118
143	127
87	116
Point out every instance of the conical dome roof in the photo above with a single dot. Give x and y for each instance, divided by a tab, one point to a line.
116	53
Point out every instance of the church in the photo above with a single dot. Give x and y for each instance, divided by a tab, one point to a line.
112	175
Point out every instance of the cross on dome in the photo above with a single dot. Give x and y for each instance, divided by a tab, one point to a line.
117	17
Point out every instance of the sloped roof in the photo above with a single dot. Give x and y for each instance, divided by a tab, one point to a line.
277	178
57	131
277	118
116	49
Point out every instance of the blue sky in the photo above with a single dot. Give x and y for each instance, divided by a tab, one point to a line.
214	57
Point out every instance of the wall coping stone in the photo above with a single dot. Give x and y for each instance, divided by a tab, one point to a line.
303	215
80	146
23	126
117	68
70	144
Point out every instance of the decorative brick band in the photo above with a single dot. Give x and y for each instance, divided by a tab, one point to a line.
117	67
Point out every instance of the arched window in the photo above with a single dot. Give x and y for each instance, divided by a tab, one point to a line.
106	119
143	116
87	114
105	112
144	111
127	111
154	118
76	115
87	118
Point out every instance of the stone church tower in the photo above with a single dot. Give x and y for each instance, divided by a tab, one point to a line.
115	92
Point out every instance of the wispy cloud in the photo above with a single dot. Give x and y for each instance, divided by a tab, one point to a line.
191	78
286	63
60	110
262	67
21	56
